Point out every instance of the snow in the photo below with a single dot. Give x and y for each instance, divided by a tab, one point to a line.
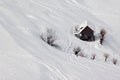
25	56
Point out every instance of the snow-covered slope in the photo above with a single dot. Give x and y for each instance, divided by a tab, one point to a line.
25	56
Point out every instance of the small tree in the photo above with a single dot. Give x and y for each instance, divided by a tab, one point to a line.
102	35
114	61
106	56
93	56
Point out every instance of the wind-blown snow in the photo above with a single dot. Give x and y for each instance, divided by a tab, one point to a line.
25	56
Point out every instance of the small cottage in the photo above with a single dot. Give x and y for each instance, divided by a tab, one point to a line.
87	34
84	32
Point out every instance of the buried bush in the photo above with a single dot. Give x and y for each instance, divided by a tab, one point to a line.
114	61
78	52
106	56
49	37
77	31
102	35
93	56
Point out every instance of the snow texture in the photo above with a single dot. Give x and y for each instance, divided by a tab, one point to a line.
25	56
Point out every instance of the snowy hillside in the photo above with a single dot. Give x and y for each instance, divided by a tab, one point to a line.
26	54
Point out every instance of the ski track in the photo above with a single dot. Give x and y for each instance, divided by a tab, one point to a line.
54	70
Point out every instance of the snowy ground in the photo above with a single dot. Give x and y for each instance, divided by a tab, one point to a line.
25	56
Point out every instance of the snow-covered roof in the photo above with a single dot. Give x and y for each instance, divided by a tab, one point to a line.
81	27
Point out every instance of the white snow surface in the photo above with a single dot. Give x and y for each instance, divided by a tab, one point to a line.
25	56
